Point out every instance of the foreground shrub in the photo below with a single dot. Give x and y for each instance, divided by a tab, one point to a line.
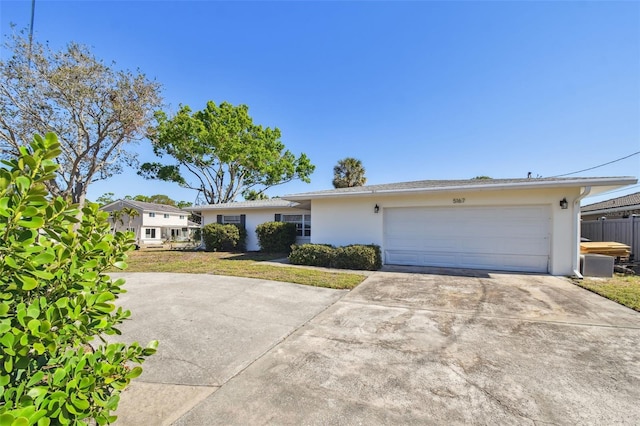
276	237
357	256
312	255
55	300
223	237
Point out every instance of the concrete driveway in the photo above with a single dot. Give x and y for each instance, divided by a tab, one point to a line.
412	346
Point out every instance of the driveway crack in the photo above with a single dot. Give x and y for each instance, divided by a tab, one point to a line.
505	406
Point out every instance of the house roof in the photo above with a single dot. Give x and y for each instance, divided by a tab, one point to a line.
630	201
256	204
470	185
153	207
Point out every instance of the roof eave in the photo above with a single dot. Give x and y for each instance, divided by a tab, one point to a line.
610	210
212	207
613	182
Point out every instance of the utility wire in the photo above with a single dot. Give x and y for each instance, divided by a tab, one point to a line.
600	165
33	12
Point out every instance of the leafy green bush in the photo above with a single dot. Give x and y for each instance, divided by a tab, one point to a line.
219	237
55	299
312	255
276	237
357	256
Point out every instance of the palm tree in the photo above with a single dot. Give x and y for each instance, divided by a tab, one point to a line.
131	214
348	172
116	216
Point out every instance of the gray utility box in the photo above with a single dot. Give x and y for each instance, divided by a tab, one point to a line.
596	265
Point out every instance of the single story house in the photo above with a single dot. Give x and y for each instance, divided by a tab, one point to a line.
615	208
152	223
250	214
529	225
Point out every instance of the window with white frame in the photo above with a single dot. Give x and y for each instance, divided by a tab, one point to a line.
152	214
302	221
150	232
236	220
166	215
181	217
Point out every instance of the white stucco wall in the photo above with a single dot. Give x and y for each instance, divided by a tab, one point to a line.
342	221
173	221
254	217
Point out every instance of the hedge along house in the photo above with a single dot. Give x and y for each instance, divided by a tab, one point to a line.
250	214
528	225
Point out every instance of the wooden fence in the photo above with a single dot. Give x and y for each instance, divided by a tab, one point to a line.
625	231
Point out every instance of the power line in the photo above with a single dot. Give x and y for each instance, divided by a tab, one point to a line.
33	12
600	165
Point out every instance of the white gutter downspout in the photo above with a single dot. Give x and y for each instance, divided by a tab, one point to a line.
576	231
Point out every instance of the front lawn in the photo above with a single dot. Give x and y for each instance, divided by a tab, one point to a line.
624	289
238	265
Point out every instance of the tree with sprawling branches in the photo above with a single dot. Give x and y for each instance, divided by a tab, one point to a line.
223	153
96	111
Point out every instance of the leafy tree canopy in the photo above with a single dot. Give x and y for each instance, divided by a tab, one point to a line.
96	110
252	195
349	172
157	199
106	198
221	153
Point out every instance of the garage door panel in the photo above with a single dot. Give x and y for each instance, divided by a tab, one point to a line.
399	257
505	238
504	263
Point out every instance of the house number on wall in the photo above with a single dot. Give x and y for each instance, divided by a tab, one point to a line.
458	200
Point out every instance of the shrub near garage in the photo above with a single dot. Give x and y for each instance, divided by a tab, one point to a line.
356	256
312	255
55	299
367	257
276	237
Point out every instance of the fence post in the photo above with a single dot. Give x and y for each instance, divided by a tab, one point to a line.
635	244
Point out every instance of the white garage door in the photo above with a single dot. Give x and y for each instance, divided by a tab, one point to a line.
508	238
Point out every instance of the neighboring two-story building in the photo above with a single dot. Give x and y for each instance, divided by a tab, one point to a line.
151	223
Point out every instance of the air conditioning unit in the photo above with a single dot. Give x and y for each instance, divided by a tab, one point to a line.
596	265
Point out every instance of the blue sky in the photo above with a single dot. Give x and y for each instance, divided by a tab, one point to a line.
416	90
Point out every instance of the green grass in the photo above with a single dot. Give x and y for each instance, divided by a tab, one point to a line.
247	265
624	289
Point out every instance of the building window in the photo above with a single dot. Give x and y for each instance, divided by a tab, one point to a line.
166	216
232	219
152	214
150	232
131	230
302	221
181	217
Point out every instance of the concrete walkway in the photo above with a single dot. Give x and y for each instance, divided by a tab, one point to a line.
427	347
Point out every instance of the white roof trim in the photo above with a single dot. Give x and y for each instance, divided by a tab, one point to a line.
243	206
617	181
611	210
